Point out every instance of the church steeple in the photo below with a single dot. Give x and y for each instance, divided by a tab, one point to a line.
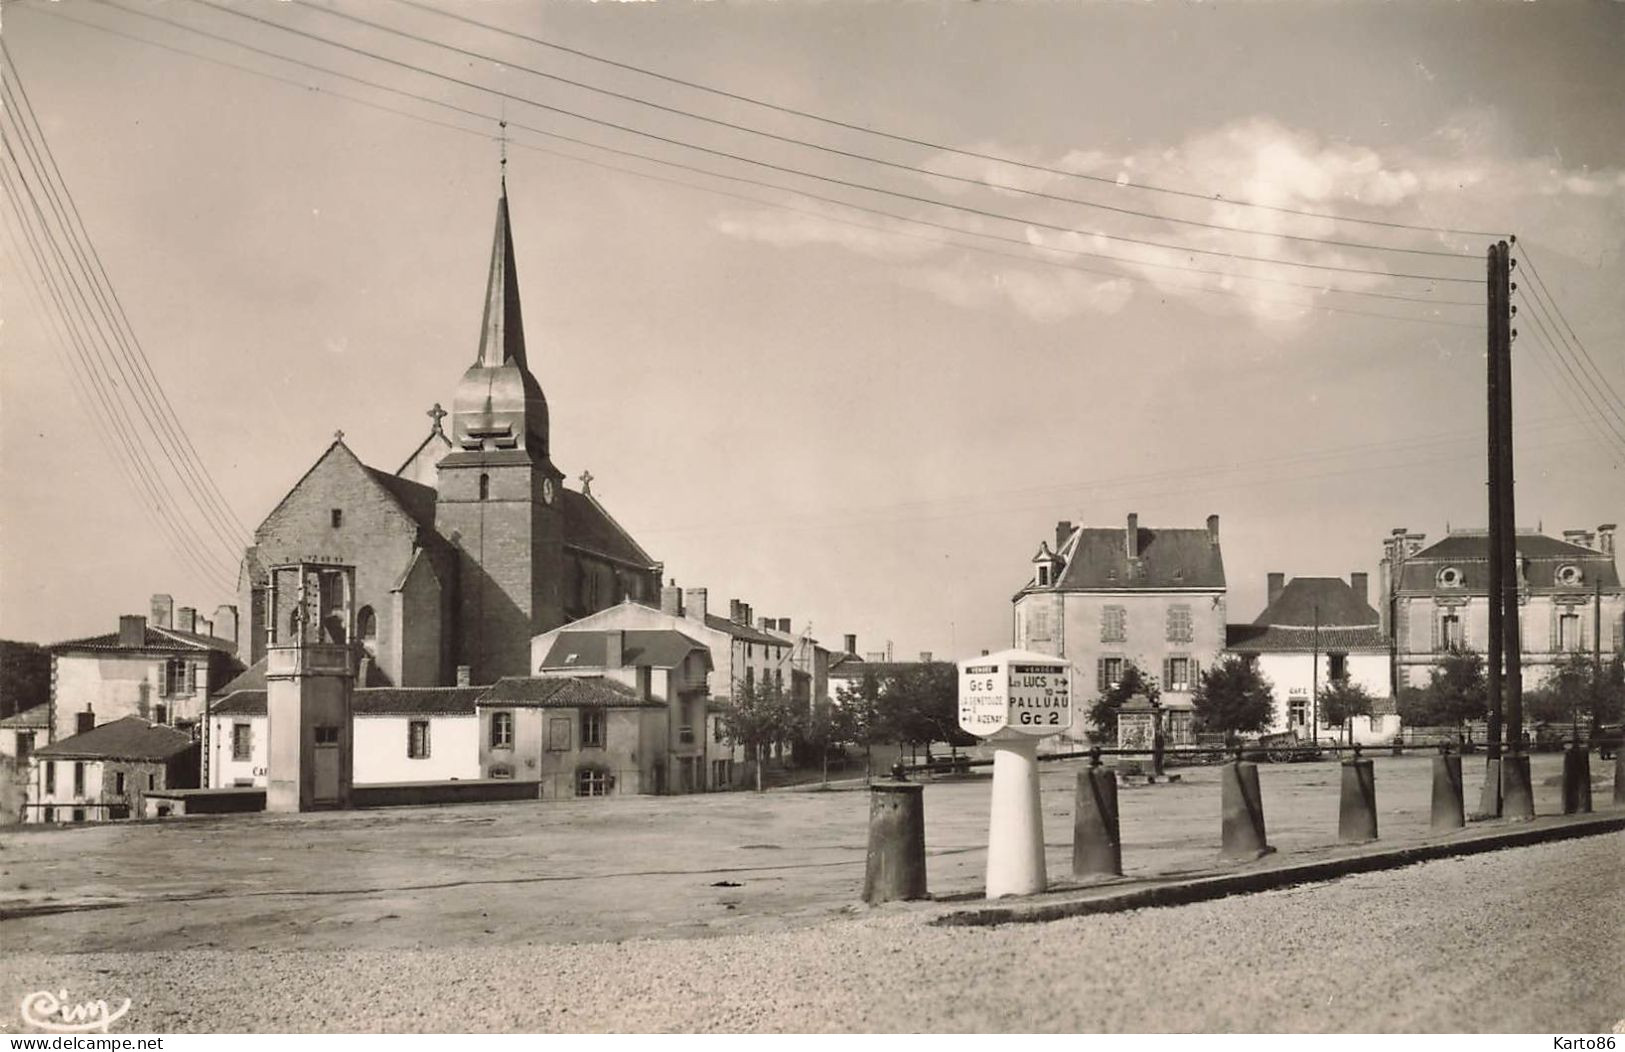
502	331
499	405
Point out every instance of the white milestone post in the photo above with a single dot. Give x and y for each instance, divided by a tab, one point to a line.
1012	699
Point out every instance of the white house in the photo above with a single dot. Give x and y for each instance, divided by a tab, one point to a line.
1314	632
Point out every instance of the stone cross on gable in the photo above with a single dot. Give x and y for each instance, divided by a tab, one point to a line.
338	436
437	414
586	482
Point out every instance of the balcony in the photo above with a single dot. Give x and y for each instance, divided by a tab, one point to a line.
315	659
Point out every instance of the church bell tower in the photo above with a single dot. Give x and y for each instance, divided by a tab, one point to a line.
499	493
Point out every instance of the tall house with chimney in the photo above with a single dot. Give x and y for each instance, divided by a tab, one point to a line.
1436	597
471	547
1105	598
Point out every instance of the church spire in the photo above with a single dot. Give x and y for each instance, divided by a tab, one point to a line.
502	333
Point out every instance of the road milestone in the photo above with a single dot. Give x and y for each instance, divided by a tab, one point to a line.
1012	699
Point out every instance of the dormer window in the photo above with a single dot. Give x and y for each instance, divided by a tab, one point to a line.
1569	574
1043	576
1450	577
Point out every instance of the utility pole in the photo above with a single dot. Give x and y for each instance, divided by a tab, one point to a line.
1314	681
1491	803
1517	796
1595	692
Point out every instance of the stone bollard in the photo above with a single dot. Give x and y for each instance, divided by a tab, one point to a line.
1243	812
1517	794
1489	799
1619	773
1577	780
1357	807
1096	849
896	865
1448	809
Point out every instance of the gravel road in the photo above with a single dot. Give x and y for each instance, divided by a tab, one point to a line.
1524	940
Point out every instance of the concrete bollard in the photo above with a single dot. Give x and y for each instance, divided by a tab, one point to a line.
1357	807
1489	799
1448	809
1576	780
1015	834
1243	813
896	864
1517	794
1619	773
1096	848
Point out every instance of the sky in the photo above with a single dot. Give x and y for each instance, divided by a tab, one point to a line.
859	422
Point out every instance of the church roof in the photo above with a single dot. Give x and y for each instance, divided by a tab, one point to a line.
131	738
251	678
416	499
502	330
589	527
654	648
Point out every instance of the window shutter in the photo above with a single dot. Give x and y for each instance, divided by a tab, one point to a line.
1167	673
1557	617
1438	624
1196	674
191	678
1100	675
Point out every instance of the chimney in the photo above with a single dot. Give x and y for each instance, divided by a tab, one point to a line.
1413	543
1063	530
1133	535
736	610
671	600
186	619
784	626
464	676
851	643
163	611
205	627
225	622
765	624
1605	539
1213	530
925	657
694	604
1575	537
1361	584
984	652
613	648
1277	584
132	630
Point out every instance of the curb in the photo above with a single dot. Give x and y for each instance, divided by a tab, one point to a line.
1203	889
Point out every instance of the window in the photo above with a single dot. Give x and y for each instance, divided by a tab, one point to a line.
336	516
1179	623
242	741
1038	624
1337	666
1569	574
721	772
152	782
50	776
1568	632
1110	672
501	730
78	778
50	814
1375	723
485	487
179	678
716	732
778	679
1177	674
78	814
25	745
750	679
1450	577
366	627
558	734
685	735
417	739
160	714
1297	712
327	734
1043	575
592	729
118	784
1450	631
593	781
1113	624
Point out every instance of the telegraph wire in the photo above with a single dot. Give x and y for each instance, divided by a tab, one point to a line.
139	468
775	186
188	473
986	213
833	122
868	158
1584	355
1576	382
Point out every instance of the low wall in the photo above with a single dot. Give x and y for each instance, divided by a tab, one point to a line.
470	791
228	801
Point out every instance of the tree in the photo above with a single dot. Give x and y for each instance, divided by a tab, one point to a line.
861	705
1103	710
759	717
1575	692
1234	697
1343	699
921	705
1455	693
831	727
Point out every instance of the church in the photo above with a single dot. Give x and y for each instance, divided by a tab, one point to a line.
473	545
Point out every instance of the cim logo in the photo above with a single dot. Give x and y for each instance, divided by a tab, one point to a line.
45	1010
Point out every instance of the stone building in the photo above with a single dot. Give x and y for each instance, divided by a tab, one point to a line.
1313	632
105	773
1435	597
474	544
1104	597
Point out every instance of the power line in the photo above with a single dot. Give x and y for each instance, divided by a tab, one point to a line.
191	471
870	159
1577	382
1583	356
850	184
833	122
779	187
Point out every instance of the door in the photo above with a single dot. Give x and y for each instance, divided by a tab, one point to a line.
325	762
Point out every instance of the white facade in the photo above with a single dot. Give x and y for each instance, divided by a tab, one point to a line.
383	749
1294	678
